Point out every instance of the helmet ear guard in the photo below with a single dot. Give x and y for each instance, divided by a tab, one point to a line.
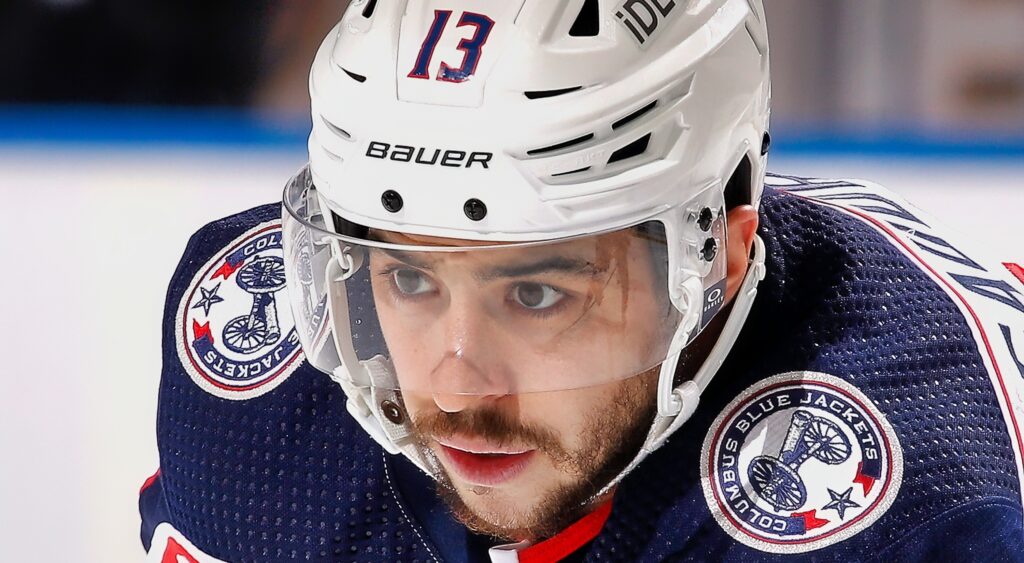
698	291
677	403
370	386
696	284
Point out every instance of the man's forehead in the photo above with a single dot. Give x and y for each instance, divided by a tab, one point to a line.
579	244
575	257
393	237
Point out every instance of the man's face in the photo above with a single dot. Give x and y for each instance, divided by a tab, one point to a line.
529	373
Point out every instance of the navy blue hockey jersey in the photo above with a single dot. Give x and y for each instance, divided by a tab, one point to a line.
871	410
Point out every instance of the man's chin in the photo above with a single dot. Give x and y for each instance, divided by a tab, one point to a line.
514	511
505	510
533	505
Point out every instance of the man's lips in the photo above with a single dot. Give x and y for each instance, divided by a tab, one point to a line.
479	446
484	464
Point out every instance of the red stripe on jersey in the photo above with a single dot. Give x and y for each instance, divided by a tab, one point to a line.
174	553
1015	270
569	540
150	481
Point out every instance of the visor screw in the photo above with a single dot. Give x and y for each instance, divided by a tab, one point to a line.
475	209
766	144
392	201
705	219
392	412
710	250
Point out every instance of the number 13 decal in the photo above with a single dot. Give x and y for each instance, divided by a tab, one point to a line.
472	47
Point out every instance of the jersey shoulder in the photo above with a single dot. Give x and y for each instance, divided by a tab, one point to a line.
227	308
926	322
259	458
873	401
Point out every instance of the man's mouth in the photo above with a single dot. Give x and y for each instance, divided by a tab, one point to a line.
484	464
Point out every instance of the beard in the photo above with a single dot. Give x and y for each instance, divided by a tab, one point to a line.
612	436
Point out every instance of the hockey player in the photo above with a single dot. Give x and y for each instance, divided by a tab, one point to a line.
508	313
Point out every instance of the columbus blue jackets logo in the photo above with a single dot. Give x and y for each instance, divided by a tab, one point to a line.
799	462
234	329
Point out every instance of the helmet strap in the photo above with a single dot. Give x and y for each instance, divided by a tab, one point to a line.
681	401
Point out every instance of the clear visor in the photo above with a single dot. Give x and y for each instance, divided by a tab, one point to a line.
430	315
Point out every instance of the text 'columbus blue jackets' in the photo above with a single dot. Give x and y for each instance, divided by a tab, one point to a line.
871	410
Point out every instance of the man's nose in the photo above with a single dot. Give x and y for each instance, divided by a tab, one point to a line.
472	368
450	402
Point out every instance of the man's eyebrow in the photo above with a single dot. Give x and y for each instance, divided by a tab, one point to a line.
558	264
555	264
409	258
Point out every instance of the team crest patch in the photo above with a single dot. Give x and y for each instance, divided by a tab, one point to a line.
234	329
798	462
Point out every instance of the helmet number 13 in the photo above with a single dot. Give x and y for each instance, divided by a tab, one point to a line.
472	47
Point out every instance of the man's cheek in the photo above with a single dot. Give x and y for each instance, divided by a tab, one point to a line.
564	419
417	404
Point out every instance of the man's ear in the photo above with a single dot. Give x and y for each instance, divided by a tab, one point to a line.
742	225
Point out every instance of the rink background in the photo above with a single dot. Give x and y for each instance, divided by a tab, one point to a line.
93	230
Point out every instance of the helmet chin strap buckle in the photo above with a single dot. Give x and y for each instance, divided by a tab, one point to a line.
347	261
675	402
687	396
361	411
670	403
685	399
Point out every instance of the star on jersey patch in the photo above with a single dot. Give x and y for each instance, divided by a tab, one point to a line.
234	330
799	462
210	298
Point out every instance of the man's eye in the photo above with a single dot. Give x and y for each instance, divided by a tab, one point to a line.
411	282
536	296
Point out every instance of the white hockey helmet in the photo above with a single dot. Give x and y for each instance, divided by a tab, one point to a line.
523	128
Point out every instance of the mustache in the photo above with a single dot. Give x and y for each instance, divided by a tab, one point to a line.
491	425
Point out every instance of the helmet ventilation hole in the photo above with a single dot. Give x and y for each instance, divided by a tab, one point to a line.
337	130
333	156
635	115
588	21
369	8
563	145
577	171
636	148
357	77
540	94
